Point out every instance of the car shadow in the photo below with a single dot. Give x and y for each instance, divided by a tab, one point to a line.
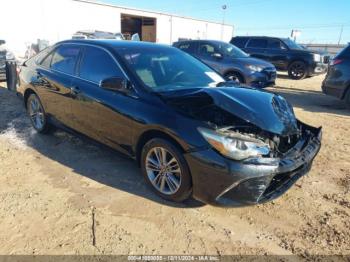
80	154
312	100
283	76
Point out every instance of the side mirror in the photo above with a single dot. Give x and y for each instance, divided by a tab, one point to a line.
2	42
118	84
217	55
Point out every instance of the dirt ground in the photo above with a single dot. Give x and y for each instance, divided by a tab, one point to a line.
64	195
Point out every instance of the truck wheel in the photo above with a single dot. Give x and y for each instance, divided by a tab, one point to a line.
297	70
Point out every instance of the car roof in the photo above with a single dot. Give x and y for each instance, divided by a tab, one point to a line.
267	37
113	43
201	40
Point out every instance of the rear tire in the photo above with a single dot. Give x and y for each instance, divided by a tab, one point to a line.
297	70
37	115
166	170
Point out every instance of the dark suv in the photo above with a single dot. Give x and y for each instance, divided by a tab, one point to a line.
337	81
285	54
231	62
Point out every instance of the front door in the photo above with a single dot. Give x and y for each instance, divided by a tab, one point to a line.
277	53
207	52
256	47
97	112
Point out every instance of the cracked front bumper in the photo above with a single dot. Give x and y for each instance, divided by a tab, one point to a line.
220	181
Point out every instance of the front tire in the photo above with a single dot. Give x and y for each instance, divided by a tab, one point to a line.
37	115
166	170
297	70
233	76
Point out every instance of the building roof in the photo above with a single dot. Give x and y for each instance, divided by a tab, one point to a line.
97	2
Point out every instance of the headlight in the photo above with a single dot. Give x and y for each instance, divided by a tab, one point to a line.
10	55
317	57
254	68
237	147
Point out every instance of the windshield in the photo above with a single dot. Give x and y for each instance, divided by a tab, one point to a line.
168	69
291	44
232	51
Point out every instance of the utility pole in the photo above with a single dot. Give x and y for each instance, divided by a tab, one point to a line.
224	7
341	34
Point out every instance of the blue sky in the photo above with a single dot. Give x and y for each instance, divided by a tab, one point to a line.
319	20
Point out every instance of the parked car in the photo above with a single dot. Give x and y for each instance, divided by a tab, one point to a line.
231	62
285	54
337	81
5	56
95	34
188	129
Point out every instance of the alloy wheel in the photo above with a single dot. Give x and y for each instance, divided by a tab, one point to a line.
36	113
297	70
163	170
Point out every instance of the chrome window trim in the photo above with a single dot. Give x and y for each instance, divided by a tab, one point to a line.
78	77
106	50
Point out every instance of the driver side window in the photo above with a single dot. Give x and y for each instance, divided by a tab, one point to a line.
208	50
275	44
97	65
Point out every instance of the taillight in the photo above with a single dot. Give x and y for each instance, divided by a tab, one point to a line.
336	62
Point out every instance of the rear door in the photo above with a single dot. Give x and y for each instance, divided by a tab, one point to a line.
257	47
53	81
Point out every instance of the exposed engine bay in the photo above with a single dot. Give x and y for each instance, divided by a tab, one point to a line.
202	107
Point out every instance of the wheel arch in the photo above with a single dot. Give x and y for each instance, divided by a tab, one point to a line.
235	71
151	134
297	59
26	95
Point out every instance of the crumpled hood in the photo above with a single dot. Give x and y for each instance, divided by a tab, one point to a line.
268	111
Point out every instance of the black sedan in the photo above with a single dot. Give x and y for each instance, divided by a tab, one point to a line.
190	131
231	62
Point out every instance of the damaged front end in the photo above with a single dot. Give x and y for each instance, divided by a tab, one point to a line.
258	149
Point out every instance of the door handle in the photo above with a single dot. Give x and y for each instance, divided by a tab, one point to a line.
75	90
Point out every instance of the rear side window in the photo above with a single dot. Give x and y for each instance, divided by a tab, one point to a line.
187	47
206	49
65	58
257	43
97	65
239	41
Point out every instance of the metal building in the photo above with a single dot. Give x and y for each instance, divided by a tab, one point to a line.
55	20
